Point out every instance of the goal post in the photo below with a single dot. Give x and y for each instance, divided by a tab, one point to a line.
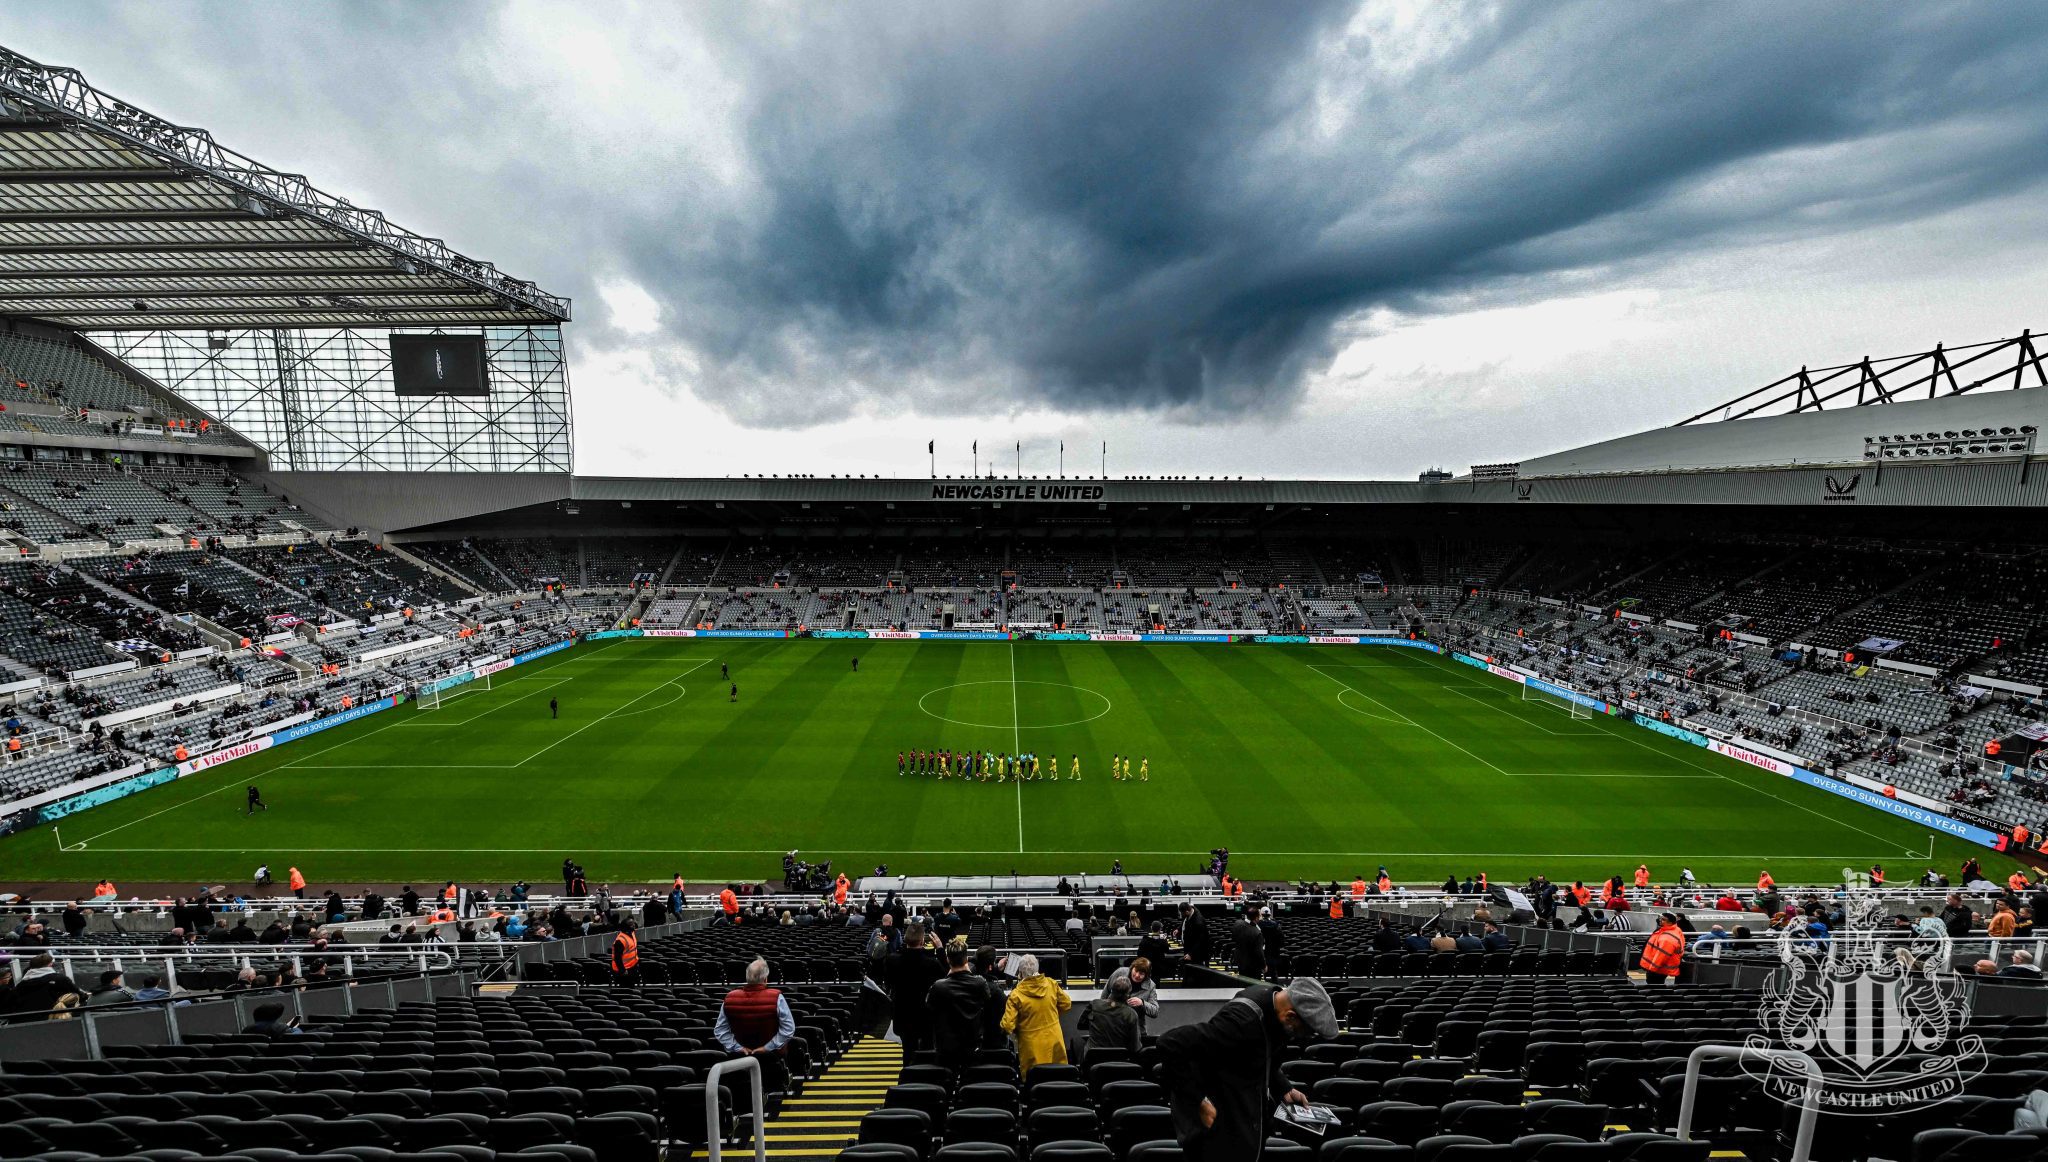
434	695
1531	692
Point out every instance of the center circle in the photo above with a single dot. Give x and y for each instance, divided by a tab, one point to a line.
1019	705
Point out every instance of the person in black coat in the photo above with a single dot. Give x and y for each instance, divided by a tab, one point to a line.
1223	1075
1249	944
958	1005
908	973
41	986
1194	936
989	967
1153	947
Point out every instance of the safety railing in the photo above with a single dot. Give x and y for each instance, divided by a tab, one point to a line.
751	1066
1801	1063
343	959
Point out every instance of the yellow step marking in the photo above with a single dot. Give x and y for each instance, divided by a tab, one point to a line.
841	1137
809	1123
741	1152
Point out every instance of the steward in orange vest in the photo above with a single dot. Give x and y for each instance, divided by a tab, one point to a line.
1665	951
1336	907
626	955
1642	875
1358	888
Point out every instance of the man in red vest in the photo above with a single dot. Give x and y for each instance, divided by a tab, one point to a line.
755	1021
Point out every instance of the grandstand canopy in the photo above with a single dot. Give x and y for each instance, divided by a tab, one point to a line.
112	218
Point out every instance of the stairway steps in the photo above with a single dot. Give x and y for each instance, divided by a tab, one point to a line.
826	1118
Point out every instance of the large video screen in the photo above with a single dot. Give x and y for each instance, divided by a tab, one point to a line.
439	365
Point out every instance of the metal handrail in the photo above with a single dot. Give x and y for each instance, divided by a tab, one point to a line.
1802	1063
240	956
752	1067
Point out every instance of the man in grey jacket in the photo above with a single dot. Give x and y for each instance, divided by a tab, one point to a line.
112	991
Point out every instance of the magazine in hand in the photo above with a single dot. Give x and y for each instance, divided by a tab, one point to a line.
1313	1118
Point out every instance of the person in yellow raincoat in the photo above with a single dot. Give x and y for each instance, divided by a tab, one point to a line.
1032	1017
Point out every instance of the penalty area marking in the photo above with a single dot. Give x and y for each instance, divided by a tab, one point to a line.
1015	724
1347	691
302	762
1499	705
1626	736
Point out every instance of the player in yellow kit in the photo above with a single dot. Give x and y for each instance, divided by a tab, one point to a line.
1145	770
1115	772
1074	768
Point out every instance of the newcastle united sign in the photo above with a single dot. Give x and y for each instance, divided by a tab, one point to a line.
1050	490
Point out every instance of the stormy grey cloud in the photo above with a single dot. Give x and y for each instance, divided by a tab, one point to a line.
1185	210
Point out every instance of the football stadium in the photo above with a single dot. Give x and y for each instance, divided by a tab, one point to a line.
379	785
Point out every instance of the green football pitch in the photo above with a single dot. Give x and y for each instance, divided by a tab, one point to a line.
1304	761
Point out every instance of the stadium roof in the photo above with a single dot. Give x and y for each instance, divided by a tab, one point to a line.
112	218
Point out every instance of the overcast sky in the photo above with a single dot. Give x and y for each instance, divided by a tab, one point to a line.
1286	239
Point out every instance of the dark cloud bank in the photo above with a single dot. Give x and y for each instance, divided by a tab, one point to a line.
1168	206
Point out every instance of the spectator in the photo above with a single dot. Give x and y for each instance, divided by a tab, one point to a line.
244	980
1153	947
1032	1016
959	1004
41	986
1956	917
1494	940
1194	935
1250	944
2002	922
1443	942
755	1021
1929	926
909	974
113	990
1110	1021
152	989
269	1021
2022	968
1223	1074
1142	990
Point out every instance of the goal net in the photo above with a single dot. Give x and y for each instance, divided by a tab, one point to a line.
432	699
1534	693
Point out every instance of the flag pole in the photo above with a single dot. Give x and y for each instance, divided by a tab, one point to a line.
1105	459
1063	459
1020	459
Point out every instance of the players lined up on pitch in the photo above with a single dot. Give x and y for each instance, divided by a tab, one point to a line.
1003	767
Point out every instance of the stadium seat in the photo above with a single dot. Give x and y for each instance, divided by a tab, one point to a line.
1061	1123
